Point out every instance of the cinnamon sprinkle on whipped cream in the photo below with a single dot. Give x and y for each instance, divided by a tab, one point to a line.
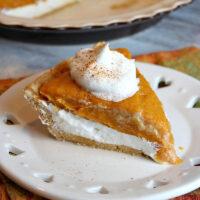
105	73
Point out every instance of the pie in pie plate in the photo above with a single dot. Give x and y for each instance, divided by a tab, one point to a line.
57	14
112	108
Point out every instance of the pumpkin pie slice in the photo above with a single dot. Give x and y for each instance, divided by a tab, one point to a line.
31	8
135	125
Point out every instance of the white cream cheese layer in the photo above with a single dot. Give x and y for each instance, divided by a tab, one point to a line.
105	73
38	9
70	123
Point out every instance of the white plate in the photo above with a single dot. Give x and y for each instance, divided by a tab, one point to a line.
62	170
97	13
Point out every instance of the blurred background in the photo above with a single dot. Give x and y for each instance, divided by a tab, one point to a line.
178	29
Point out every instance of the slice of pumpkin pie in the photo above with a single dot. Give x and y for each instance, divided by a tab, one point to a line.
31	8
99	99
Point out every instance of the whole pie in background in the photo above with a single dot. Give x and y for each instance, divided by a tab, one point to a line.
81	13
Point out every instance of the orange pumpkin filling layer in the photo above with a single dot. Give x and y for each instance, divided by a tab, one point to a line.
141	115
15	3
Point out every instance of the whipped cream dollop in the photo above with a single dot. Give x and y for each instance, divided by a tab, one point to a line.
105	73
